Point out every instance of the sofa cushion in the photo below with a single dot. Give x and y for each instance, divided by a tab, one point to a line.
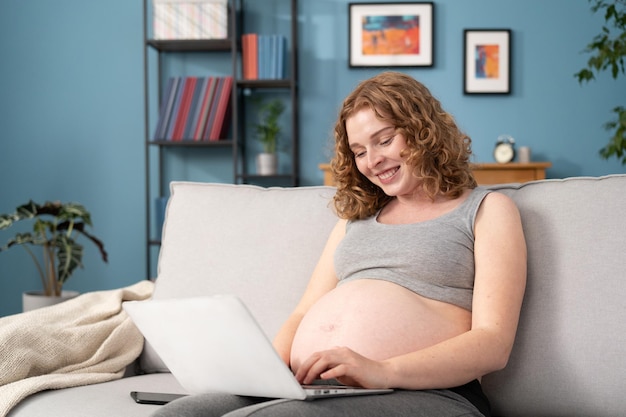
110	399
261	244
570	350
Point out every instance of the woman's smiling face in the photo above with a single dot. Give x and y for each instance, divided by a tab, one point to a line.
377	152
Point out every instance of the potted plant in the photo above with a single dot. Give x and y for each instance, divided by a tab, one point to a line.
268	133
56	227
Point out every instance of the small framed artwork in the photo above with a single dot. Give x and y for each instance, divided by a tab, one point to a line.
390	34
487	58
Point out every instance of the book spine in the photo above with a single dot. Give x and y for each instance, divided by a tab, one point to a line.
158	131
281	52
213	110
194	109
206	107
218	126
261	56
183	110
254	67
174	111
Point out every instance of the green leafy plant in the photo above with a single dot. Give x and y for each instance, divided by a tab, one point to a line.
56	227
268	129
609	52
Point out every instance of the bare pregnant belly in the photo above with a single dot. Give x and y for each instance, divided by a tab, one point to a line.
378	320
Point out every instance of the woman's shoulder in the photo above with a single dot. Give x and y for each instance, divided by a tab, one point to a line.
496	198
497	205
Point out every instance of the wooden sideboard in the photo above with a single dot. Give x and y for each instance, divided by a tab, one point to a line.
494	173
488	173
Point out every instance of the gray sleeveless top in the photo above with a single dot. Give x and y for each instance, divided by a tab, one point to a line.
434	258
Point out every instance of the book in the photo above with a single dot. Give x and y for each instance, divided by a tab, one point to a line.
173	115
162	121
253	56
262	56
264	60
183	111
245	58
194	108
205	108
197	110
219	127
213	109
170	108
280	57
271	44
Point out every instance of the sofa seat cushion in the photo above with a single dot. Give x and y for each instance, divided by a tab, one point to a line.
108	399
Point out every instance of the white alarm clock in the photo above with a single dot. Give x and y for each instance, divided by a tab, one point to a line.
504	151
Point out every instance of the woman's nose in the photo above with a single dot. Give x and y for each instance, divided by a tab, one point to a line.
373	158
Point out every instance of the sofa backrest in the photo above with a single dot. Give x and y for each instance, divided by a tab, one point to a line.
259	243
570	351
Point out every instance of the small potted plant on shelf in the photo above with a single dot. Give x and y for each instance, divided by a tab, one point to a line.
268	133
56	227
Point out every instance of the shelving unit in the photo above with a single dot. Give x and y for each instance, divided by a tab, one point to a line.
239	140
289	85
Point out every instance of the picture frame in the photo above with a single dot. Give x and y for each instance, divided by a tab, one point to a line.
391	34
487	61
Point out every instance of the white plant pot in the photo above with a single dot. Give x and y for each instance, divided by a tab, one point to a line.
32	300
267	164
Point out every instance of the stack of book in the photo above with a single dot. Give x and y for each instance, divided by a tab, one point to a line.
263	56
195	108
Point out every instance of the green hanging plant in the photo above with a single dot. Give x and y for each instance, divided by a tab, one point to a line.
608	51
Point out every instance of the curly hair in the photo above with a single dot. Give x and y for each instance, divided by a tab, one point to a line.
437	150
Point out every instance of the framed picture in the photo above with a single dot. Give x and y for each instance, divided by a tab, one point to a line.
390	34
487	54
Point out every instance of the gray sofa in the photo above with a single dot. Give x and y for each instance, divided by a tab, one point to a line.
570	354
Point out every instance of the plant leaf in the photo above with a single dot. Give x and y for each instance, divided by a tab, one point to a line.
69	256
6	220
608	51
74	211
80	228
27	211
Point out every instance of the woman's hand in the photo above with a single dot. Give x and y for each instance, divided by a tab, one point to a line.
346	366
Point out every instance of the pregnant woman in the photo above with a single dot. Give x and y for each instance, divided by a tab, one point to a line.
420	284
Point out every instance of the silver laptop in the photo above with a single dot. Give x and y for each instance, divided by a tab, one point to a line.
214	344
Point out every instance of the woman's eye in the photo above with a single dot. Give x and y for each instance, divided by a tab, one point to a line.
387	141
359	154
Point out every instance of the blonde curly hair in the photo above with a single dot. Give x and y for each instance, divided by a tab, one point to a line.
436	148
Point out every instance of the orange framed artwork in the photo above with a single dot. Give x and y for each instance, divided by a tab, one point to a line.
391	34
487	57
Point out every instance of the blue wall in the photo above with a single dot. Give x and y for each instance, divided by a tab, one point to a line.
71	107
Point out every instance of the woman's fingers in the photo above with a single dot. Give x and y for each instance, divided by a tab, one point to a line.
342	364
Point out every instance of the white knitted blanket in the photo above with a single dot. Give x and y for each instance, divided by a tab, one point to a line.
86	340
